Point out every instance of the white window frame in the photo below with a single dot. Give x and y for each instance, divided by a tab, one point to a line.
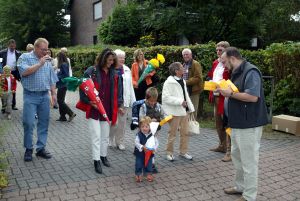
97	10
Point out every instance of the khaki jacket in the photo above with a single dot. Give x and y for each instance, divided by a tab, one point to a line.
195	80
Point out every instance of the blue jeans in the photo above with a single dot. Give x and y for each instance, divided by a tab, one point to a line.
140	167
36	103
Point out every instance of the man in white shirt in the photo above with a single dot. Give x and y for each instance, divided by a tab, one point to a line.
9	56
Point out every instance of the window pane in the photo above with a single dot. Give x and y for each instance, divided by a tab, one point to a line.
98	10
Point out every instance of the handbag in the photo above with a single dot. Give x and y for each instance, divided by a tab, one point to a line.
194	126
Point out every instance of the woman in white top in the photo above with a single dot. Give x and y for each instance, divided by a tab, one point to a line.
176	101
117	132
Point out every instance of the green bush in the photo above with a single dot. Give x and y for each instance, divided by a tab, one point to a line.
279	60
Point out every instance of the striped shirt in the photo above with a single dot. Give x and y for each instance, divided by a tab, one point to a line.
42	79
186	67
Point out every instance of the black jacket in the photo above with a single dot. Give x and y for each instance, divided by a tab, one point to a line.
3	55
246	114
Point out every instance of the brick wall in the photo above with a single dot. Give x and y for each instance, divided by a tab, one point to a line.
83	25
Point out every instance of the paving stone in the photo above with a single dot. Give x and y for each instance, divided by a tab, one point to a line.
70	174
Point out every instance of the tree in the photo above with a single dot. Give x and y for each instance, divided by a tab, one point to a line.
27	20
123	27
201	21
279	26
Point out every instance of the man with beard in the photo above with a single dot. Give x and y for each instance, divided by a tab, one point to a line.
247	113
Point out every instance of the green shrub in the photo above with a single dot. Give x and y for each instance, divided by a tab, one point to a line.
279	60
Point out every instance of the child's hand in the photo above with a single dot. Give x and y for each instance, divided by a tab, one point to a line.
144	148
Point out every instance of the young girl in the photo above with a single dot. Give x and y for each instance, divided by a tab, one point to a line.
140	149
8	86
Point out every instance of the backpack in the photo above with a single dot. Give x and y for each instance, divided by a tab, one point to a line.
136	113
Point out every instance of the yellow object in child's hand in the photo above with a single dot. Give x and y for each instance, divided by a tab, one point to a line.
228	131
165	120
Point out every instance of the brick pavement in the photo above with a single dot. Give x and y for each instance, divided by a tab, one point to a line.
70	175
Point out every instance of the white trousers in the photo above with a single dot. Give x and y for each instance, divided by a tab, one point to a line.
99	135
245	145
117	131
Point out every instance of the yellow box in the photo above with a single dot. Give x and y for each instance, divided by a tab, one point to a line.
233	87
210	86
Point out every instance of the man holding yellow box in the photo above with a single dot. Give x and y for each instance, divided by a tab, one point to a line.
247	113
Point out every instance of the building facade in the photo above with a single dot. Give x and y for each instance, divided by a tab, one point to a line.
86	16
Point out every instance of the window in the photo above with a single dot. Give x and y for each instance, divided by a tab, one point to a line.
97	10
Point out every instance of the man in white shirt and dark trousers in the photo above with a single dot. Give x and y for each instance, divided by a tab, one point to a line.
9	57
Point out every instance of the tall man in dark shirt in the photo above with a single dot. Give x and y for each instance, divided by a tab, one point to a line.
247	113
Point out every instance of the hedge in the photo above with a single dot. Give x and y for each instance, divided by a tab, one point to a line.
279	60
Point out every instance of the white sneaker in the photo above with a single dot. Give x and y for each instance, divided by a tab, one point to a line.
170	157
187	156
121	147
110	144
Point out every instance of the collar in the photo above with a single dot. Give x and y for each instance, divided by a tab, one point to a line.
177	78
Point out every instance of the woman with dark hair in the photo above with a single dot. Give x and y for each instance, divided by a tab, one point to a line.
63	67
106	83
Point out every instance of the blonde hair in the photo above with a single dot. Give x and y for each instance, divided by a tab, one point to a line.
29	47
151	92
38	41
224	44
145	120
136	54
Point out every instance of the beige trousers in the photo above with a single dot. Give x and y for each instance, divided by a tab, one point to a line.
245	145
117	131
180	122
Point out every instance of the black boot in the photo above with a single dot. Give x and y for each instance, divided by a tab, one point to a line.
105	161
97	166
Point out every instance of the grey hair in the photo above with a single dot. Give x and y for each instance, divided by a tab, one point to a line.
63	50
174	67
119	52
187	50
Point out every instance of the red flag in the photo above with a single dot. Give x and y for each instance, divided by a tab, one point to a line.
148	154
88	87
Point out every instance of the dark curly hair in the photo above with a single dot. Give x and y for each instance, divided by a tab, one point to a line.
101	59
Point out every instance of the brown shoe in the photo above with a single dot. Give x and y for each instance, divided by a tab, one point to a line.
220	148
227	157
241	199
232	191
